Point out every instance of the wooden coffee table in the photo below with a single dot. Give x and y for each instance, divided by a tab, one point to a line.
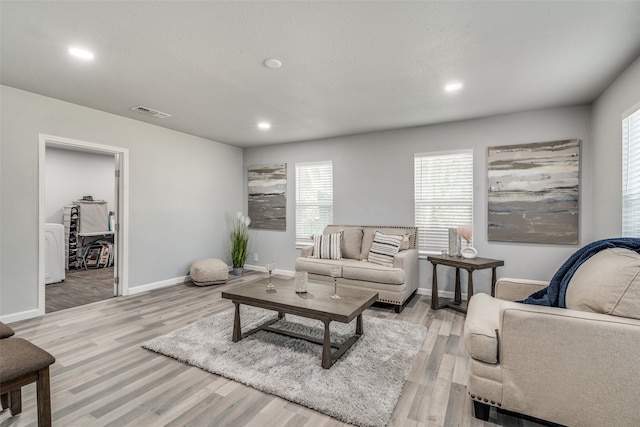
315	304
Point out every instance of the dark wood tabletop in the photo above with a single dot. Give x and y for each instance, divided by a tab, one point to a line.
315	303
466	263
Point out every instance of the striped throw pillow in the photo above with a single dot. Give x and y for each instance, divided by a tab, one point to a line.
327	246
383	248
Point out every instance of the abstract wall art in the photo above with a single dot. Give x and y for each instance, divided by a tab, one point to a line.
533	192
268	196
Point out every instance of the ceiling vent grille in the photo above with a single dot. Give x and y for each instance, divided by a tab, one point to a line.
150	112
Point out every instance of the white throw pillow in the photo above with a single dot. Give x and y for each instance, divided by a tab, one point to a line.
383	248
327	246
405	242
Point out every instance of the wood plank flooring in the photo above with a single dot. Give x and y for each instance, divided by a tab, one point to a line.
103	377
80	287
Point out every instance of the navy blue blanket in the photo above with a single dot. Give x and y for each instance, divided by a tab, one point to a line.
554	294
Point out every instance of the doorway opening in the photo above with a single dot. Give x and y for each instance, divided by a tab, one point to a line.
94	251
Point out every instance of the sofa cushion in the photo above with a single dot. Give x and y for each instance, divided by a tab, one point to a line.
370	272
608	283
383	248
367	240
318	266
351	239
327	246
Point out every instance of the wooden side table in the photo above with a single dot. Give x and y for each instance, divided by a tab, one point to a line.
469	264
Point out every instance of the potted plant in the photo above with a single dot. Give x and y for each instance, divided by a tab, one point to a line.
239	242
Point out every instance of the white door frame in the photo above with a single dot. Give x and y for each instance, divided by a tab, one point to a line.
122	229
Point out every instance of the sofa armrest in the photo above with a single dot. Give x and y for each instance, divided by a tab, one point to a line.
403	258
481	328
517	289
580	360
306	251
408	261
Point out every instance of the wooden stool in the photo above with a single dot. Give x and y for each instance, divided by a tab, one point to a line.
23	363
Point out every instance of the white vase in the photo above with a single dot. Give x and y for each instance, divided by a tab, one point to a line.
469	252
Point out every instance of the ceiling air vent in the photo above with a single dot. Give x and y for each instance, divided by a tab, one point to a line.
150	112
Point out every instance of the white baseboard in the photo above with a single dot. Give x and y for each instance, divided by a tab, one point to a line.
178	280
264	269
156	285
23	315
441	294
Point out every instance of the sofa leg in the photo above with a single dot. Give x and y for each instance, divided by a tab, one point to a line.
399	308
481	410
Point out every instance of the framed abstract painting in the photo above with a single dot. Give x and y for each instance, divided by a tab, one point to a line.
268	196
534	192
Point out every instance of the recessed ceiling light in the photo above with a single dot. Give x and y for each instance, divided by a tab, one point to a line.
264	125
452	87
80	53
272	63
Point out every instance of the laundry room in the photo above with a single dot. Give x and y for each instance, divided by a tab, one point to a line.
80	194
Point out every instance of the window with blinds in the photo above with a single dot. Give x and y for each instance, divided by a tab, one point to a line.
443	196
314	198
631	175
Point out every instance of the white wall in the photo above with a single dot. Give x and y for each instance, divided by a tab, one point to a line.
70	175
183	192
607	114
373	184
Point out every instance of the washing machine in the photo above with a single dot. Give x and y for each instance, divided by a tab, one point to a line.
54	253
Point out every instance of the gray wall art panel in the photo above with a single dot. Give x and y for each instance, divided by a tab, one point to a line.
533	192
267	189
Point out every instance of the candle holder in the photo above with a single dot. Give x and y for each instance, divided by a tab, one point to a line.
335	273
270	267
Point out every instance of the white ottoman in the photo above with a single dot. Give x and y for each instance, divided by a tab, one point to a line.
209	271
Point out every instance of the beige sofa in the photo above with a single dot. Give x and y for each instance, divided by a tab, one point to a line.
395	284
576	366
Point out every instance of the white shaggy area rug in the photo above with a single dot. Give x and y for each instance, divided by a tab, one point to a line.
361	388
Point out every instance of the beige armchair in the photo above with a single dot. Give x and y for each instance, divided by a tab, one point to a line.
576	366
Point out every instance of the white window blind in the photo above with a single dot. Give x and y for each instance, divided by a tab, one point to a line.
314	198
631	175
443	196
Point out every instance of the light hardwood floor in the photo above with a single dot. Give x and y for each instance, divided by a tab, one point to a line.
103	377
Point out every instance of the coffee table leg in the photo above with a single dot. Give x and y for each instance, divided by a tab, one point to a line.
326	346
359	325
237	330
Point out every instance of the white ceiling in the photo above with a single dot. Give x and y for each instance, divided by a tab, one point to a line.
348	67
